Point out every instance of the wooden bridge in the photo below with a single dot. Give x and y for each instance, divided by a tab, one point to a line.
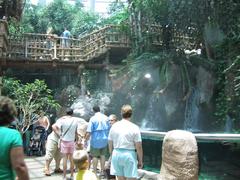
51	50
47	49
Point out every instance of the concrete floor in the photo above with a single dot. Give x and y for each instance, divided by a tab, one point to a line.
36	167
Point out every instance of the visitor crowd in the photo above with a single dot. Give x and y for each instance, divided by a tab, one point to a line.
82	143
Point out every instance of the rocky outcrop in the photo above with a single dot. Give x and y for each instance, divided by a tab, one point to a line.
179	156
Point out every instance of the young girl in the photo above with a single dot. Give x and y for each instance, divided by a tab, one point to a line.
80	159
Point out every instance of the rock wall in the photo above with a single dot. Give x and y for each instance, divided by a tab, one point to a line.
179	156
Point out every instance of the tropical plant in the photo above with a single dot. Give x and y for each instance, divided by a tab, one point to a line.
30	99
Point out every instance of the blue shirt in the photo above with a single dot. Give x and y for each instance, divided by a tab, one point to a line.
98	127
66	34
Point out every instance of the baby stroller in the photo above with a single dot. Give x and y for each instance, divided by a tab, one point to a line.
36	146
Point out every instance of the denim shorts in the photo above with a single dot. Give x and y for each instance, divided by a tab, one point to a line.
124	163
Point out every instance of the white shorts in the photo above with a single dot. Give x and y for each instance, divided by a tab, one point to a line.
124	163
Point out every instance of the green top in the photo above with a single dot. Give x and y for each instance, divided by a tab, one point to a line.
9	138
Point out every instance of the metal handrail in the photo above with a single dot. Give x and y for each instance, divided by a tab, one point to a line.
200	137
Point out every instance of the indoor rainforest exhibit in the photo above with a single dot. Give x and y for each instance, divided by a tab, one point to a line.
176	62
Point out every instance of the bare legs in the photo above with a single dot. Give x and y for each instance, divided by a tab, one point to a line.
57	161
102	163
65	158
95	163
47	168
47	163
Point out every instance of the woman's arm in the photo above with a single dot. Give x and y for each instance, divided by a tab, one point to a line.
18	164
56	129
138	146
48	122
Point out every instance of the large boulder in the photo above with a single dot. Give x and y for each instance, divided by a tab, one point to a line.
179	156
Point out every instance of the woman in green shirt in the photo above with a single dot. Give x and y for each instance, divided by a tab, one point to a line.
11	150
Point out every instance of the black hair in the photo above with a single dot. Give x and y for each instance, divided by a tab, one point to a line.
96	108
69	111
8	111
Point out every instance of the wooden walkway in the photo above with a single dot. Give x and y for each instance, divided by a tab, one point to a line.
48	47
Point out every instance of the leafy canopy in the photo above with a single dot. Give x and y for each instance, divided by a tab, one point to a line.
30	100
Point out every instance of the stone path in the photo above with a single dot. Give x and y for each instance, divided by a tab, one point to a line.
36	165
35	168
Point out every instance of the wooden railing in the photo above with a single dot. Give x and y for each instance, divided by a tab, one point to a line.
49	47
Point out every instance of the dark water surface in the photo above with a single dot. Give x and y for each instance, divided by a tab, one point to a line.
218	160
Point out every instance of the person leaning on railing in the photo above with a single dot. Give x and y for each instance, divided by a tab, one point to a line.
11	150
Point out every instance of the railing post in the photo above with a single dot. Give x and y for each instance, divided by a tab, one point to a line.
26	47
55	49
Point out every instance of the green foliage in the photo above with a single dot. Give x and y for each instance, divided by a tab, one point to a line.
57	15
228	62
84	22
117	18
118	14
30	99
60	14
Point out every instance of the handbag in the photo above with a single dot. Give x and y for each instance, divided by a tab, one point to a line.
60	139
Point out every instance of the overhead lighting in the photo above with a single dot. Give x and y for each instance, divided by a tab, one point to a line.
148	76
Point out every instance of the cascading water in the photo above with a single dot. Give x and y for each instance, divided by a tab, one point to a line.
154	116
228	125
82	106
191	114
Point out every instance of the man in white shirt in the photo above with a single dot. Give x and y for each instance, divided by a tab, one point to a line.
125	147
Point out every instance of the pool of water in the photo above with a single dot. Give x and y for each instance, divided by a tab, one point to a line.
217	160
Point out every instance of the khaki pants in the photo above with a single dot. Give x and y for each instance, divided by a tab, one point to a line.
52	150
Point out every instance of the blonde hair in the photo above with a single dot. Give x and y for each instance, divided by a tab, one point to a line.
80	159
112	116
126	111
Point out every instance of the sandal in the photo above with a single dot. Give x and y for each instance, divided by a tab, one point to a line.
47	172
58	170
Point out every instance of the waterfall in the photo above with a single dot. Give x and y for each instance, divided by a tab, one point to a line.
82	106
228	124
192	111
153	119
